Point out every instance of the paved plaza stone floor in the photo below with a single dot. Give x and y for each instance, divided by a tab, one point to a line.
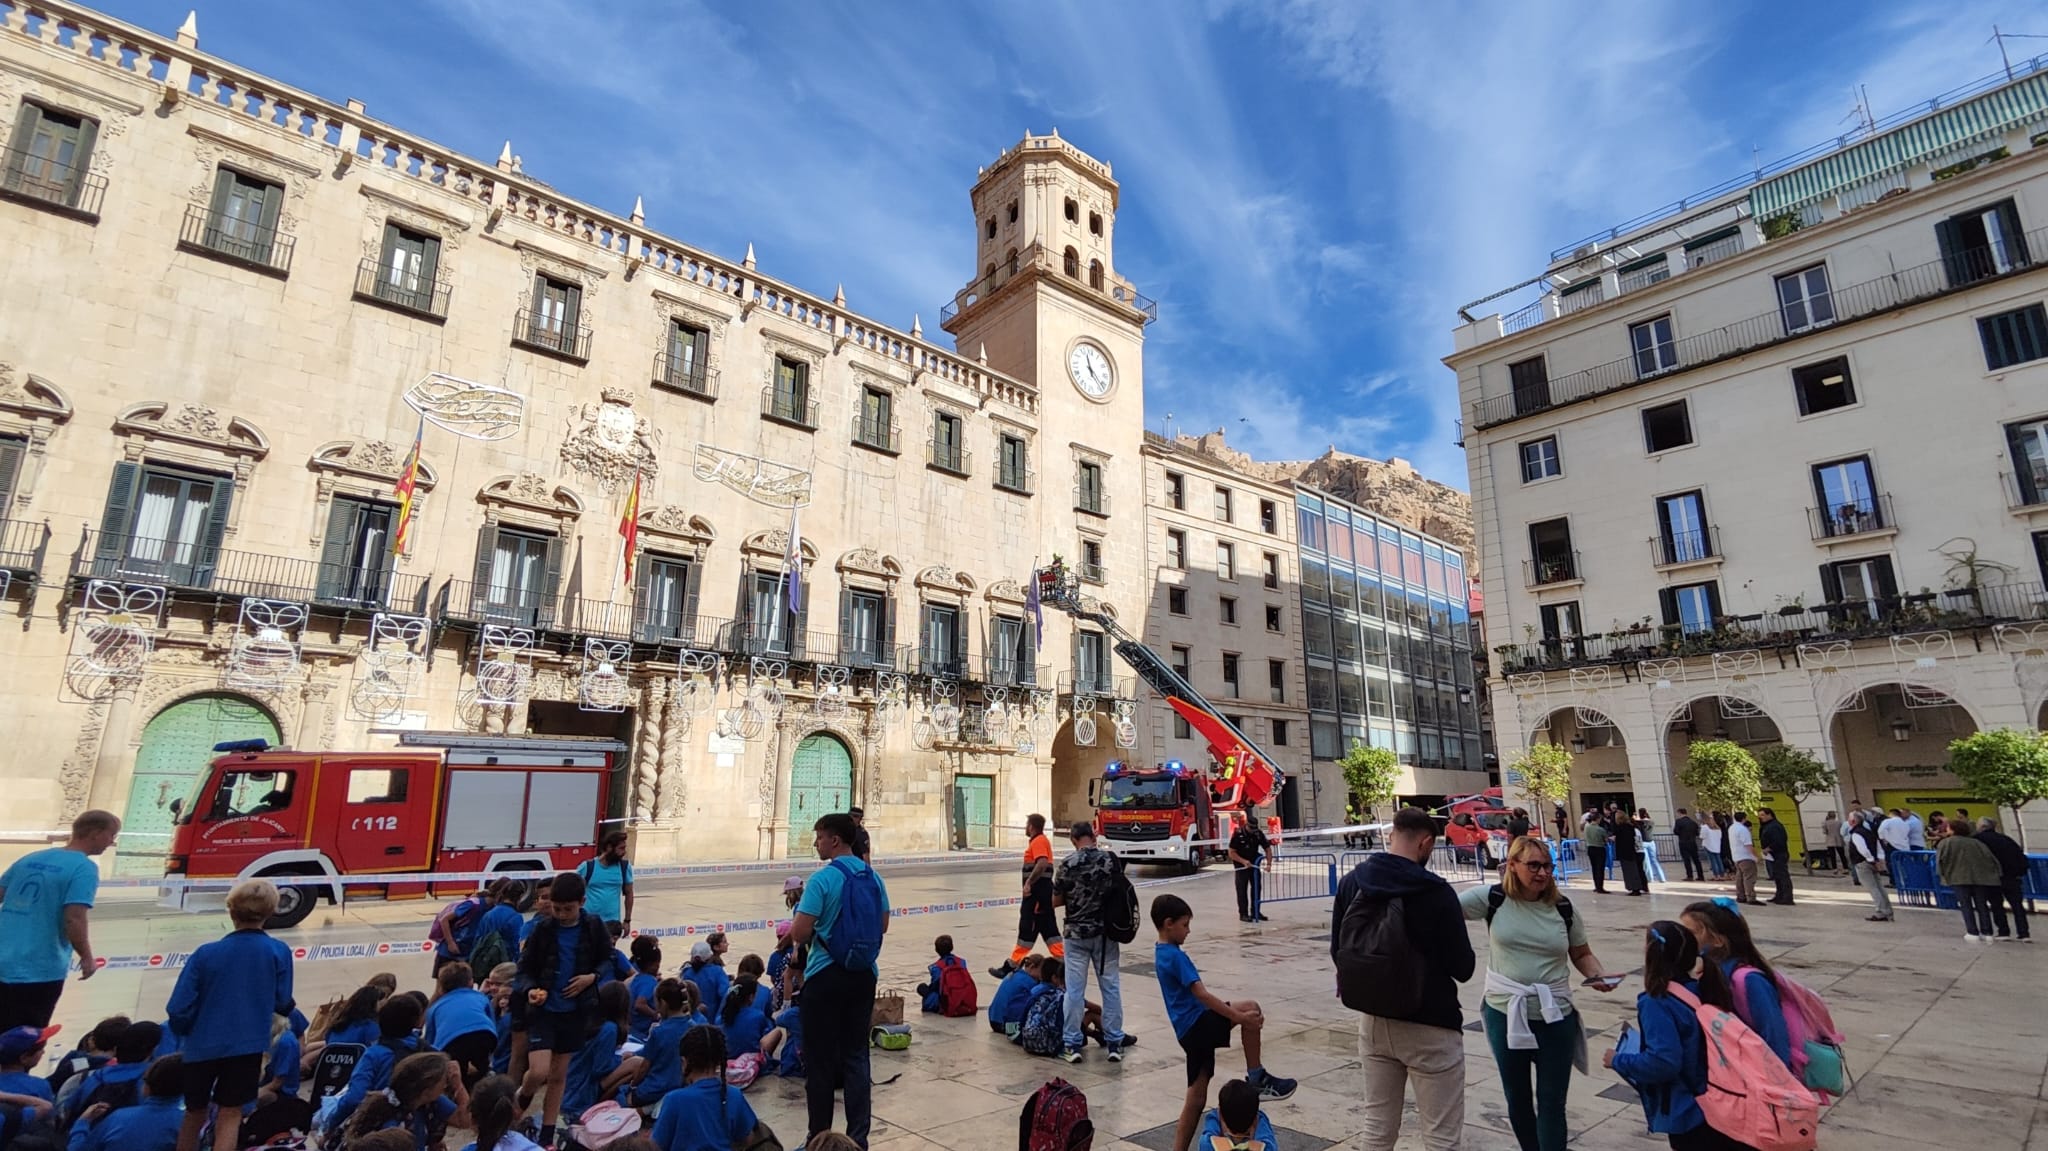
1949	1039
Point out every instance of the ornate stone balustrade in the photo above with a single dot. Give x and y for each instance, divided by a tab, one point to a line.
181	72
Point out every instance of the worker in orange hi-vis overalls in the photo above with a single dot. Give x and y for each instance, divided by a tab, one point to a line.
1035	919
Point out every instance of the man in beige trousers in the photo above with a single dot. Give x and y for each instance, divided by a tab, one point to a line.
1398	938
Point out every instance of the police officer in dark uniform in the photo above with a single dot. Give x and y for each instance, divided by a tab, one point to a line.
1248	846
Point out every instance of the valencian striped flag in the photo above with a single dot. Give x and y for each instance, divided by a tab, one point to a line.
408	483
629	528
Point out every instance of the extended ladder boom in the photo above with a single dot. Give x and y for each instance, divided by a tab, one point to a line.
1058	587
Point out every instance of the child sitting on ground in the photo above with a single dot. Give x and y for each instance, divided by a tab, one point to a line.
745	1025
596	1070
152	1124
494	1110
119	1082
95	1051
1202	1020
929	992
1237	1123
26	1101
1013	996
662	1056
708	974
705	1111
425	1093
764	996
646	956
281	1072
499	988
782	1050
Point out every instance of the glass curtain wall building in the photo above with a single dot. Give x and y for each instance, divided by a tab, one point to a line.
1385	624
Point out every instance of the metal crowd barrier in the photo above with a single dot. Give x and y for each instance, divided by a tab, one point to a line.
1916	882
1312	875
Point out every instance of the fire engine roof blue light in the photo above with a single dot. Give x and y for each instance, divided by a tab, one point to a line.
1176	767
1116	767
235	745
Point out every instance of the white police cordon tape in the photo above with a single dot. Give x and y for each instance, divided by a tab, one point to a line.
658	871
315	953
406	879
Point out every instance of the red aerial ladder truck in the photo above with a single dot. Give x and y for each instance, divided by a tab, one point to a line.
1167	812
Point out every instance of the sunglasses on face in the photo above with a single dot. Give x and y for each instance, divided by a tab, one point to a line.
1536	864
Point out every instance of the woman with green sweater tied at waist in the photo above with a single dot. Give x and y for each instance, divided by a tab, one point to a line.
1534	942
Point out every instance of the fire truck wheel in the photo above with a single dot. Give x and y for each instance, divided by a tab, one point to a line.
294	904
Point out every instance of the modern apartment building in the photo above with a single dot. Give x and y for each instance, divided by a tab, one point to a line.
1772	465
233	308
1225	612
1386	634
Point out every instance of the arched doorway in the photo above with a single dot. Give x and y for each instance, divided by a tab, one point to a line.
1738	721
177	746
1074	765
1890	743
1600	772
820	782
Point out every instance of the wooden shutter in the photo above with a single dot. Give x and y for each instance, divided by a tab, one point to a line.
387	259
88	135
344	521
10	472
1830	584
118	516
551	583
217	209
959	642
924	635
1667	602
572	316
480	581
1887	584
846	645
25	126
540	296
1953	257
430	267
270	200
1714	603
2015	238
888	651
693	576
208	559
644	628
800	621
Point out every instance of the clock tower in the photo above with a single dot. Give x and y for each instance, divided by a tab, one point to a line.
1046	306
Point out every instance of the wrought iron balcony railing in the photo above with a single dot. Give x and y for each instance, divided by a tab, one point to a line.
42	181
1870	513
1009	671
551	334
1091	498
1551	567
256	575
692	377
1686	547
950	458
1013	478
23	544
793	407
266	250
403	289
881	435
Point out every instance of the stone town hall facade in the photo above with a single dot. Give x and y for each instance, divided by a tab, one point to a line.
228	303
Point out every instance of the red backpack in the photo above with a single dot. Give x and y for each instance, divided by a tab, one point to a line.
957	994
1055	1118
1751	1096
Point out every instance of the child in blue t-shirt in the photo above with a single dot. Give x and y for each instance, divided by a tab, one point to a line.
281	1072
705	1111
646	958
764	995
743	1022
784	1046
929	992
25	1098
1237	1120
1013	996
708	974
1201	1020
597	1069
662	1056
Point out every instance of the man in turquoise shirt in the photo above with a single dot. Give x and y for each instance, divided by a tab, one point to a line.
839	1001
45	898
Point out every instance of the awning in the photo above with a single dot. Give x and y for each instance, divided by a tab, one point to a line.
1983	118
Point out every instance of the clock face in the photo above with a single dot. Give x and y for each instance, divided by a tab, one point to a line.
1089	368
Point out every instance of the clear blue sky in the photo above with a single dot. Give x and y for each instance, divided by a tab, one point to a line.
1310	187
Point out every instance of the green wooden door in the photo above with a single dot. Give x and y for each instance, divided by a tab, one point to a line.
176	748
974	810
820	782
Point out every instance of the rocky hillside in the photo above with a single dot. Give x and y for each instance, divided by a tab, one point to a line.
1392	488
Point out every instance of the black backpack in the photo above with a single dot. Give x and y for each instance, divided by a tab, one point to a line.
1495	896
1379	969
1120	907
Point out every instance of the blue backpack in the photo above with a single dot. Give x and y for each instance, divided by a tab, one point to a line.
855	941
1044	1021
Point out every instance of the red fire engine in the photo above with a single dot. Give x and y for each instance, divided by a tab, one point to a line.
1171	812
317	822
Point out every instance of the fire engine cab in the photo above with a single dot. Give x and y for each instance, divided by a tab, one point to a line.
331	825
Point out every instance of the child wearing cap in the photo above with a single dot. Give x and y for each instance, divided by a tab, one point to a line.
707	973
26	1102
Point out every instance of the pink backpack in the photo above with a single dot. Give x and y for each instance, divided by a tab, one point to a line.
1807	1023
1751	1096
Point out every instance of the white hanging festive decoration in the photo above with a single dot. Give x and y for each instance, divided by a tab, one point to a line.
388	669
469	409
504	671
117	630
760	480
1084	730
834	685
265	650
603	685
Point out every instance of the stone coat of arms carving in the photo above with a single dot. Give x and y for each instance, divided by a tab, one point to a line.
609	441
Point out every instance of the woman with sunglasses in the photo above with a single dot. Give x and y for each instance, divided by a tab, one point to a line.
1534	942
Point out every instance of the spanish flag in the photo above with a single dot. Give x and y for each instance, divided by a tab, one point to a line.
408	481
629	527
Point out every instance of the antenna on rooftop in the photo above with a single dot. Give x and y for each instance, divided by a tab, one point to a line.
2000	38
1861	112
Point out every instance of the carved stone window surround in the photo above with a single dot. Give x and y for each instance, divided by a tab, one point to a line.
868	570
941	584
774	544
782	344
672	308
78	92
1086	454
381	200
535	258
194	436
672	531
1006	593
367	470
531	499
30	407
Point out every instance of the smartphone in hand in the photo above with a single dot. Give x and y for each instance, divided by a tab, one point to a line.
1604	982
